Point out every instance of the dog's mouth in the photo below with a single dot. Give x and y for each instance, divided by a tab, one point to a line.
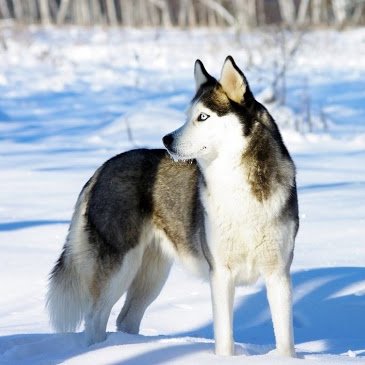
177	155
173	152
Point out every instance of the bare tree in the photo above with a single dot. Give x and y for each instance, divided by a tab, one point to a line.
287	11
183	12
239	14
282	63
246	14
32	10
44	12
62	11
317	11
303	12
4	9
96	14
261	16
164	8
83	12
126	7
187	15
18	10
112	14
220	10
153	12
192	18
359	12
339	8
141	13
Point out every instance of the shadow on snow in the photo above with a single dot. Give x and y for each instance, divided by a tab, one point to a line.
329	305
323	310
12	226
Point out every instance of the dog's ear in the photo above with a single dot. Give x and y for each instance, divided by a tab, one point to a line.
233	81
201	75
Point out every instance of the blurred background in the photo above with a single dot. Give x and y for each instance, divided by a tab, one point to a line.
242	14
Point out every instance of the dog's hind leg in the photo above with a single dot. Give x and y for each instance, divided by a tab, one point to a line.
106	290
144	289
279	293
96	321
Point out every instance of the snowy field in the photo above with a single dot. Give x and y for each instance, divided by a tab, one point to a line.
72	98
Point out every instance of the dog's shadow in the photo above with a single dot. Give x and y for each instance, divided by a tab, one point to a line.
329	307
329	311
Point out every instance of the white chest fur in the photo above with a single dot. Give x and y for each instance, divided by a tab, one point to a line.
243	234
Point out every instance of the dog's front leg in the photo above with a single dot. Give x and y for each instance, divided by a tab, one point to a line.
279	294
222	291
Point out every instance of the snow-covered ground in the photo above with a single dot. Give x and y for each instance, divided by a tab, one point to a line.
71	98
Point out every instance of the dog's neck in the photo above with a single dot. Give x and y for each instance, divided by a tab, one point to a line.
224	172
255	169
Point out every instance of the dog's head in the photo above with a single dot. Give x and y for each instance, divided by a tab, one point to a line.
220	116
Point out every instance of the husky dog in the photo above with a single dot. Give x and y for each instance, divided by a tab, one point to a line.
226	207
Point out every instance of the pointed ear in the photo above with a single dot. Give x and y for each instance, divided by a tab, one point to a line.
200	74
233	81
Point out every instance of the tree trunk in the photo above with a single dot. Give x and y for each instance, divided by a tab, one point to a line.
303	11
4	9
316	11
358	13
183	13
287	11
97	17
261	16
44	12
253	12
242	15
18	10
53	5
126	8
165	12
62	11
191	15
220	10
339	8
112	15
85	12
153	15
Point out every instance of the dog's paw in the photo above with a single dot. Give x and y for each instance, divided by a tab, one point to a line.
284	352
93	338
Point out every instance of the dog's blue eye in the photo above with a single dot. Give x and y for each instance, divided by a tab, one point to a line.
202	117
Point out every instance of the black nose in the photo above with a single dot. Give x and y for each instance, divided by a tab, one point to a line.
168	140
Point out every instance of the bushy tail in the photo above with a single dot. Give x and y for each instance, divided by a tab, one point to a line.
66	297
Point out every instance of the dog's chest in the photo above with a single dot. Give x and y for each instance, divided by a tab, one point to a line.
234	223
231	211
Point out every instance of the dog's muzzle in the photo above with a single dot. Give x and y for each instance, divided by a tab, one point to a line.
168	140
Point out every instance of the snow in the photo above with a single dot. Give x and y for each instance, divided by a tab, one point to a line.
71	98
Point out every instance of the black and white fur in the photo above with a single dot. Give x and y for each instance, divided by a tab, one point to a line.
226	207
